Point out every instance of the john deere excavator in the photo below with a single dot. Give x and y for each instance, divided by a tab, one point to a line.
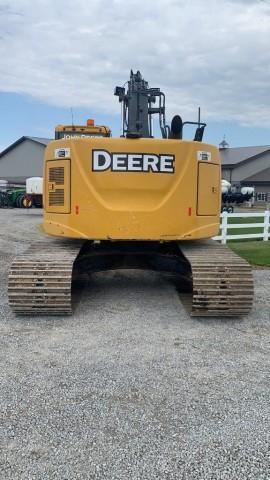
131	202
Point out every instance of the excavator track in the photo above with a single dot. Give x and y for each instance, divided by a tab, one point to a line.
222	281
40	279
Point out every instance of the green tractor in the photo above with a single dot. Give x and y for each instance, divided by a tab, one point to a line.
15	198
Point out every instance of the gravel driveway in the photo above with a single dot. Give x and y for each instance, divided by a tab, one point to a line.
131	387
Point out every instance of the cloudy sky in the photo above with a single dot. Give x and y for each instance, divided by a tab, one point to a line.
61	54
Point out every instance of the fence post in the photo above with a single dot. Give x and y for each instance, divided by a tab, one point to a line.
224	226
266	225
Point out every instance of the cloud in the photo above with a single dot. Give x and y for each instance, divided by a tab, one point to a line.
214	54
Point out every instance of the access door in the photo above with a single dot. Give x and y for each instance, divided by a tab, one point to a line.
208	201
58	186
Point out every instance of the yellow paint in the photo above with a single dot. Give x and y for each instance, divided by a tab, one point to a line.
207	188
133	205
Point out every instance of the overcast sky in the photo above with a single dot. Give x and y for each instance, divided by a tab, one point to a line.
213	53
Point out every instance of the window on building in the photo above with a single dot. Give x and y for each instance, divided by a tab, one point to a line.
261	197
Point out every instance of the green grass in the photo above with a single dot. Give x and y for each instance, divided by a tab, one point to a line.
242	231
256	253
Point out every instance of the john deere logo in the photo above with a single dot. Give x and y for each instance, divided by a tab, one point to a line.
62	152
132	162
206	156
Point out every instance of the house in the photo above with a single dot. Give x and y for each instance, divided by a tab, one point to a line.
23	159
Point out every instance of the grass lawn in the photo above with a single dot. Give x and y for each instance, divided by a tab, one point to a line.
241	231
255	252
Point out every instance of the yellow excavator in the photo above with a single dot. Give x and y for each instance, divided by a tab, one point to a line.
131	202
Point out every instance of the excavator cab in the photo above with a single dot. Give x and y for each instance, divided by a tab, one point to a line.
90	130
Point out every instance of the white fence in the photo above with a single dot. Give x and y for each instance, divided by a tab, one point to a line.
225	225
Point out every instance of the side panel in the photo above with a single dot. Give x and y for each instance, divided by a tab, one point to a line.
208	189
57	186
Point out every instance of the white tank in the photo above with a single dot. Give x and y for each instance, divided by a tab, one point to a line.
3	185
249	190
34	185
225	186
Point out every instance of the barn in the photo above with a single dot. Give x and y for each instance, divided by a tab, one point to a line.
247	166
23	159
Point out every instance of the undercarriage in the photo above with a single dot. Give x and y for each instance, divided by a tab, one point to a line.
218	281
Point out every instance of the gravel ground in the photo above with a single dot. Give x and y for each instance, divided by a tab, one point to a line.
131	387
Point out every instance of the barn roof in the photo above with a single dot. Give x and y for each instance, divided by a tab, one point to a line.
234	156
42	141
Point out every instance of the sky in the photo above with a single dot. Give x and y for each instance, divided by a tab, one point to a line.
58	55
